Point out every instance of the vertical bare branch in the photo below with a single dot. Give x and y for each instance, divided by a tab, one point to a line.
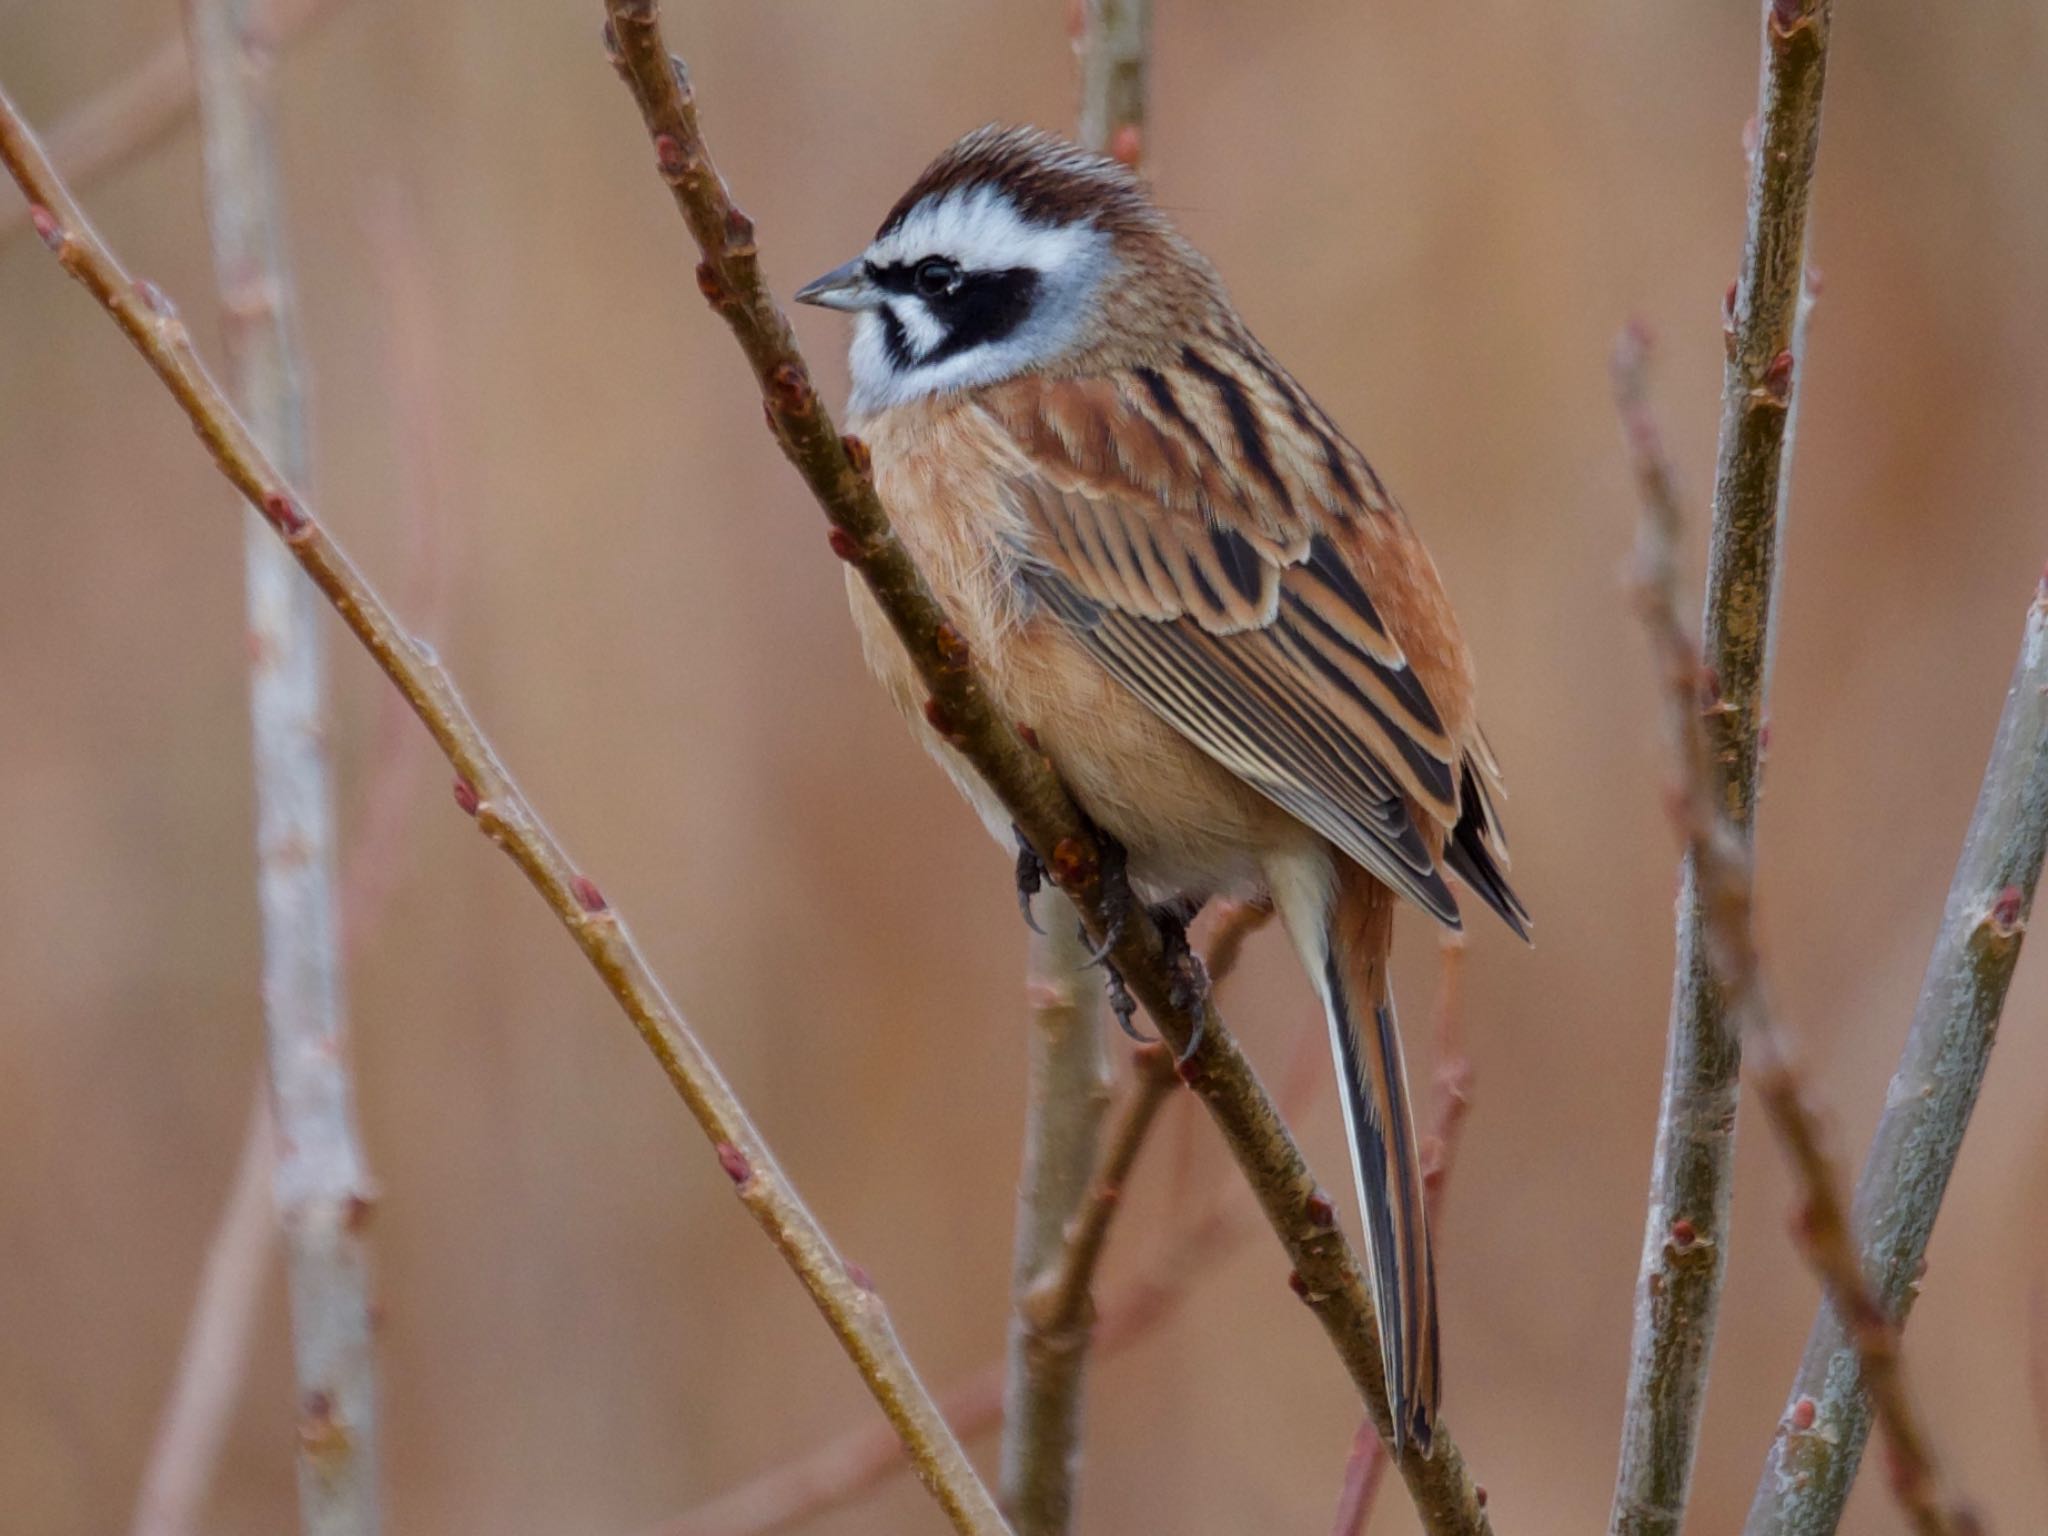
215	1358
1326	1273
1069	1091
1720	856
1114	42
1819	1442
488	793
323	1189
1069	1082
143	108
1685	1233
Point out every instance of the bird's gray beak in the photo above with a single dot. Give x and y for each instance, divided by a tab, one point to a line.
844	287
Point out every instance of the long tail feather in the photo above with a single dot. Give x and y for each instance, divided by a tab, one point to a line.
1386	1158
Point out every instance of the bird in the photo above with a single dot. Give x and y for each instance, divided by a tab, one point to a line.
1184	581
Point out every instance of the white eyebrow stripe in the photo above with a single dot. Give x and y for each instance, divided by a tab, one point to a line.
983	231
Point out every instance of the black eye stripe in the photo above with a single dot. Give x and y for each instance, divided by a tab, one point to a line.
983	307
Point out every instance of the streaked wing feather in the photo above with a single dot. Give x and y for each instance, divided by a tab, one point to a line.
1214	586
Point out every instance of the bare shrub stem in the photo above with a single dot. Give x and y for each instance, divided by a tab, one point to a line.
1069	1093
1685	1247
321	1175
1720	857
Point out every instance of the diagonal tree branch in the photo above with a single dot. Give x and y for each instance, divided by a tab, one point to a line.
1819	1442
142	109
321	1176
1685	1247
1721	857
1069	1079
487	792
1326	1273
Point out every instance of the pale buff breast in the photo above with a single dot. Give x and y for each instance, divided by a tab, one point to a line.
1190	825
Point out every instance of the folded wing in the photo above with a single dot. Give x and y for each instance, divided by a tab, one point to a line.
1217	546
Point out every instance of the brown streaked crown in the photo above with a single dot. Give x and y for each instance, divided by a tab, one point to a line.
1047	179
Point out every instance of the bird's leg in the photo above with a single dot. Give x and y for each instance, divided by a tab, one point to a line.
1030	879
1190	977
1173	919
1116	904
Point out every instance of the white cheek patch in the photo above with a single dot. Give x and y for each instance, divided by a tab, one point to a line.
920	329
981	231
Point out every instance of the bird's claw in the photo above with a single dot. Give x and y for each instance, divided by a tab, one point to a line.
1122	1004
1030	880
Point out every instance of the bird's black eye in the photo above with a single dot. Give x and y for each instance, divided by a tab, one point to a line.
935	277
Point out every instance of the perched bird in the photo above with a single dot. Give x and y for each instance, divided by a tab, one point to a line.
1171	565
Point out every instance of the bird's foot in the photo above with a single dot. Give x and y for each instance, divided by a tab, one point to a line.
1117	900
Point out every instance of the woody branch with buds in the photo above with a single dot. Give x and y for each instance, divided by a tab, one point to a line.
1685	1248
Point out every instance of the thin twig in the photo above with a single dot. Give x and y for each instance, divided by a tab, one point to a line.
1069	1077
1326	1272
1205	1229
141	110
211	1367
322	1178
487	791
1685	1247
1113	39
1365	1471
1819	1443
1720	855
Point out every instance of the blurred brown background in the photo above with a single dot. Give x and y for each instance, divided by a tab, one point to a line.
1437	215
